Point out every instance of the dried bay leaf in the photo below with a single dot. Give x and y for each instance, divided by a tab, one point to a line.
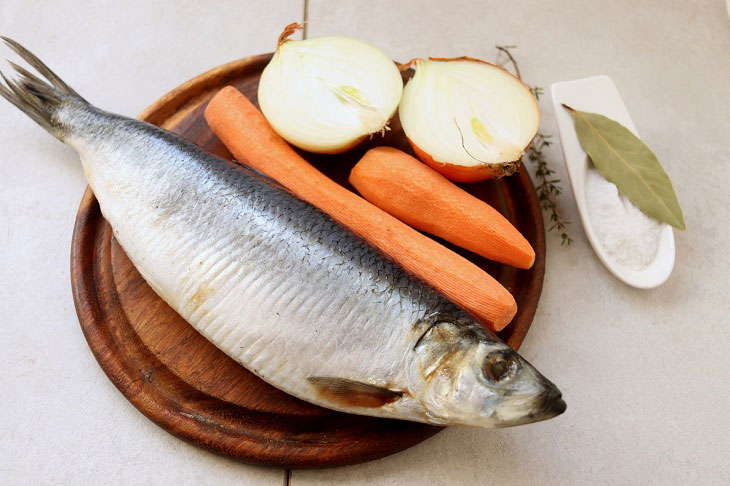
623	159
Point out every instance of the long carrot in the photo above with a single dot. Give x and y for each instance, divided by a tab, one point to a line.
424	199
250	138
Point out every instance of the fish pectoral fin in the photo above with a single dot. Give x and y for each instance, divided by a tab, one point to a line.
351	393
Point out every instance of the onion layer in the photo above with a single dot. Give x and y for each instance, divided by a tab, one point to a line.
326	94
468	119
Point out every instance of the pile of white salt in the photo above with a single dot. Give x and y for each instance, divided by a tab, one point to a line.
630	237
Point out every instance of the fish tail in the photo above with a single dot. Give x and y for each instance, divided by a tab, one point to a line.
38	98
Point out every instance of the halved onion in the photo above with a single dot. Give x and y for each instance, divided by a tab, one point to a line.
328	93
468	119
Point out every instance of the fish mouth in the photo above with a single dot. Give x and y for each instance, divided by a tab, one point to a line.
545	406
552	404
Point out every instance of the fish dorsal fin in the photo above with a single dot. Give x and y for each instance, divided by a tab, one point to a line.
351	393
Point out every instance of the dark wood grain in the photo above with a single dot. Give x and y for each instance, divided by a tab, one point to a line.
191	389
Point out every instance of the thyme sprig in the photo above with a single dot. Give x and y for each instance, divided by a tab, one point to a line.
548	188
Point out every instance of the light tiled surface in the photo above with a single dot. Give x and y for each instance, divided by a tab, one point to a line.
645	373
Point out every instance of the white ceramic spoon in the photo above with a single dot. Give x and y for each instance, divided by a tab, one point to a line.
599	95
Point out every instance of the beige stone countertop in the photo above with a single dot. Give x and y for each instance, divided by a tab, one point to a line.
646	374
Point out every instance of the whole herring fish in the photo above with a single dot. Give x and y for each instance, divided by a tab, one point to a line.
276	284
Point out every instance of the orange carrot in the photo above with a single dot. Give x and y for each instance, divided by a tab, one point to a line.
250	138
421	197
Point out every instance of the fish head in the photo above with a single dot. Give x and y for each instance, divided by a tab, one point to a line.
462	374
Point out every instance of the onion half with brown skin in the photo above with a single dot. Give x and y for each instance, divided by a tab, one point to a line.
327	94
468	119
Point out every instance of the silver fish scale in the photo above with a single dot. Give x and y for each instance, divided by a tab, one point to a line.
269	279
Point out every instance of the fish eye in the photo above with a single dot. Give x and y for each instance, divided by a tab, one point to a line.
500	366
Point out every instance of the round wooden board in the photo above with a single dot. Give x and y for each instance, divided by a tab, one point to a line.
184	384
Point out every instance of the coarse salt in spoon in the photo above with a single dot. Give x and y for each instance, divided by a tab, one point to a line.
598	94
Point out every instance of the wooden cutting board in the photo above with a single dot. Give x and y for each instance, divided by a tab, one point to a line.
188	387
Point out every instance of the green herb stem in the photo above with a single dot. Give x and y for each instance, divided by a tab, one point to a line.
548	188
